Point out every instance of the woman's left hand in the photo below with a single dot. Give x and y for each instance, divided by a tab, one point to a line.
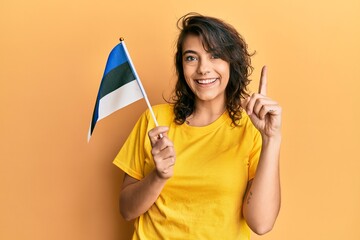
264	112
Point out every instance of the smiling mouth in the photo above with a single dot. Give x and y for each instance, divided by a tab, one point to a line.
206	81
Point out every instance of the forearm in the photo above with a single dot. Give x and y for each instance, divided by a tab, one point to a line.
136	198
262	202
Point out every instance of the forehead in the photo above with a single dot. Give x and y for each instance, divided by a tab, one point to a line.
193	42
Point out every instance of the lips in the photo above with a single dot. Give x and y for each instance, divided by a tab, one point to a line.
206	81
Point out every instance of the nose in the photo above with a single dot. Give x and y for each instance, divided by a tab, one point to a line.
203	67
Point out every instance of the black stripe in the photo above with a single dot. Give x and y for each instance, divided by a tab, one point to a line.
116	78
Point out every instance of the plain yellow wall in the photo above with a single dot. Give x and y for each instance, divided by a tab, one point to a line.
54	185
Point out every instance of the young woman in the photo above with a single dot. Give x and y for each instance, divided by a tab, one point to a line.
211	169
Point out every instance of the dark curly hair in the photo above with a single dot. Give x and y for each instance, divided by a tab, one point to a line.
220	38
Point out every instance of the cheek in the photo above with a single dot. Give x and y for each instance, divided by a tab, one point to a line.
187	71
189	82
225	68
225	71
186	77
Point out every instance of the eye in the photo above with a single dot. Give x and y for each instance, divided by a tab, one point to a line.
190	58
215	56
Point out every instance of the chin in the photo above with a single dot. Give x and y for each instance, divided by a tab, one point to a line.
208	98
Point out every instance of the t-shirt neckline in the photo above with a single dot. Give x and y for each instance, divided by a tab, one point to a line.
208	128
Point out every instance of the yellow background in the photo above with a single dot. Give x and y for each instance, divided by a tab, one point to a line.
54	185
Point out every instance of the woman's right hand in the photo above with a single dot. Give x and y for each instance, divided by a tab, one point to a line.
162	151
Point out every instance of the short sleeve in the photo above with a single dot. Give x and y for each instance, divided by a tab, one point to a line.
131	157
255	153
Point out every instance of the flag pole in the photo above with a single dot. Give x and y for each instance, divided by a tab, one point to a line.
139	81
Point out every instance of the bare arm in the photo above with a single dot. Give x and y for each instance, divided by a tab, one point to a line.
262	200
138	196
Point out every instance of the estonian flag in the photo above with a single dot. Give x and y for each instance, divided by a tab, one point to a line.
120	85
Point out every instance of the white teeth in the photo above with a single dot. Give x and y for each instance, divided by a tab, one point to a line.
206	81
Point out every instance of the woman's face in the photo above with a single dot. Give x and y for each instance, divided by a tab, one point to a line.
207	75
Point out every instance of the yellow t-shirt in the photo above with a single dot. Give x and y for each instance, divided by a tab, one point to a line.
203	199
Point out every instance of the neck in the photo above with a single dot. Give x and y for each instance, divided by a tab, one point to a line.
205	113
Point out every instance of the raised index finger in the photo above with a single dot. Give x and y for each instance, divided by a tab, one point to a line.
263	81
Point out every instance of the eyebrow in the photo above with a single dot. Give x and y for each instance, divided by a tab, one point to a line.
189	51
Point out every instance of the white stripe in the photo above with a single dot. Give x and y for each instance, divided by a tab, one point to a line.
140	85
89	133
119	98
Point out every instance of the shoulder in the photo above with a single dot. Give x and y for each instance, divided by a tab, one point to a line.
165	107
246	124
164	113
244	120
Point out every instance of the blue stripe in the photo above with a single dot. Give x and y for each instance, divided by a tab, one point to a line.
95	116
117	57
115	79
